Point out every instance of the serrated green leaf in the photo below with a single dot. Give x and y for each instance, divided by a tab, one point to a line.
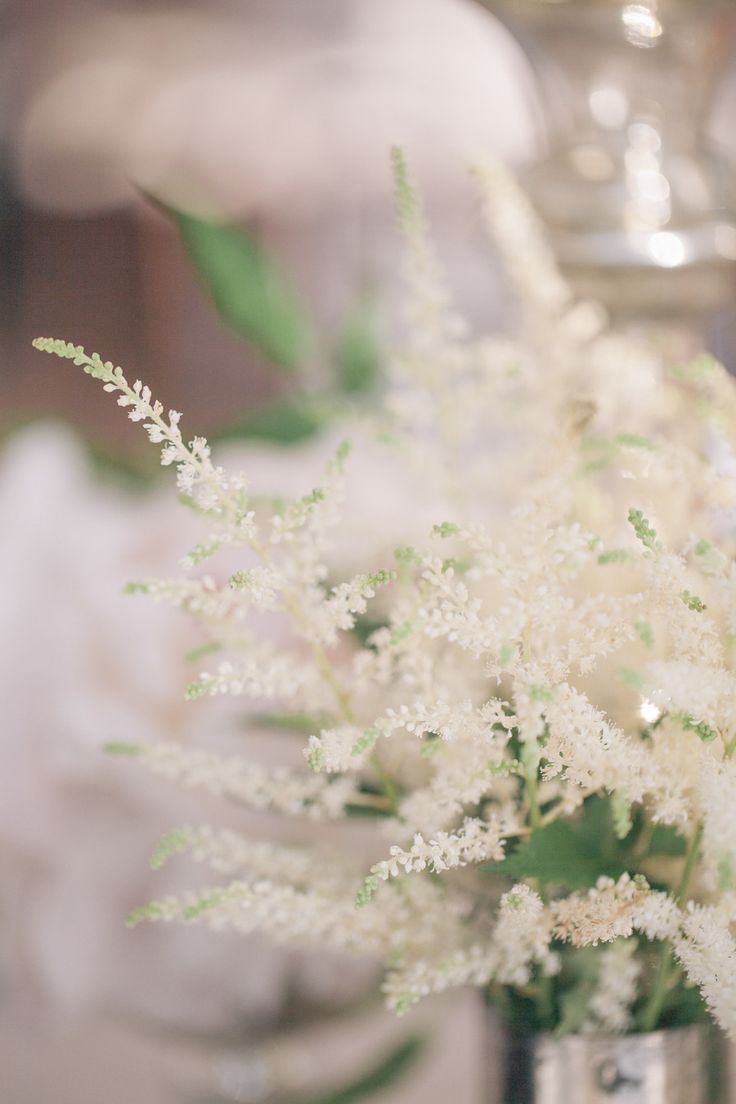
560	854
353	809
250	293
388	1070
284	422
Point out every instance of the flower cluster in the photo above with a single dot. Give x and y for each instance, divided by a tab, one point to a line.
534	705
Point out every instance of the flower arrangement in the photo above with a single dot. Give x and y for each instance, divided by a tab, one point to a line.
531	706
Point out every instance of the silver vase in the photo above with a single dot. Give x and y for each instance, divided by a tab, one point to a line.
677	1066
639	203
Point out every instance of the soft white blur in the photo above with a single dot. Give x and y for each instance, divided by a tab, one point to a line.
86	664
253	106
279	111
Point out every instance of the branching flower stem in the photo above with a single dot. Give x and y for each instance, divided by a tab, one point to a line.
230	502
329	675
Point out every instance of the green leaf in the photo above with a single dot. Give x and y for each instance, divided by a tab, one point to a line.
209	648
353	809
562	854
389	1069
285	422
131	751
289	722
113	467
358	352
250	293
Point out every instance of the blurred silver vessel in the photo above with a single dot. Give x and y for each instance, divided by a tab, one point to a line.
676	1066
639	203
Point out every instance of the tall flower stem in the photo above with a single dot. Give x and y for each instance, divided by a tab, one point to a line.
667	968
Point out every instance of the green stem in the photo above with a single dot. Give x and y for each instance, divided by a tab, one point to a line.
293	606
667	968
532	790
690	861
653	1008
530	763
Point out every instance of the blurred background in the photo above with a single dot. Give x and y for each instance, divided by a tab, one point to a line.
127	132
274	114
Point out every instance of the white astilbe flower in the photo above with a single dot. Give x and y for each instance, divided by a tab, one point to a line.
488	725
418	978
318	916
209	486
697	690
468	764
475	841
231	854
707	950
656	915
616	990
450	611
305	526
245	781
519	942
289	915
434	354
553	659
614	909
463	774
583	746
522	936
602	914
344	604
515	228
692	633
718	801
335	750
263	673
218	607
